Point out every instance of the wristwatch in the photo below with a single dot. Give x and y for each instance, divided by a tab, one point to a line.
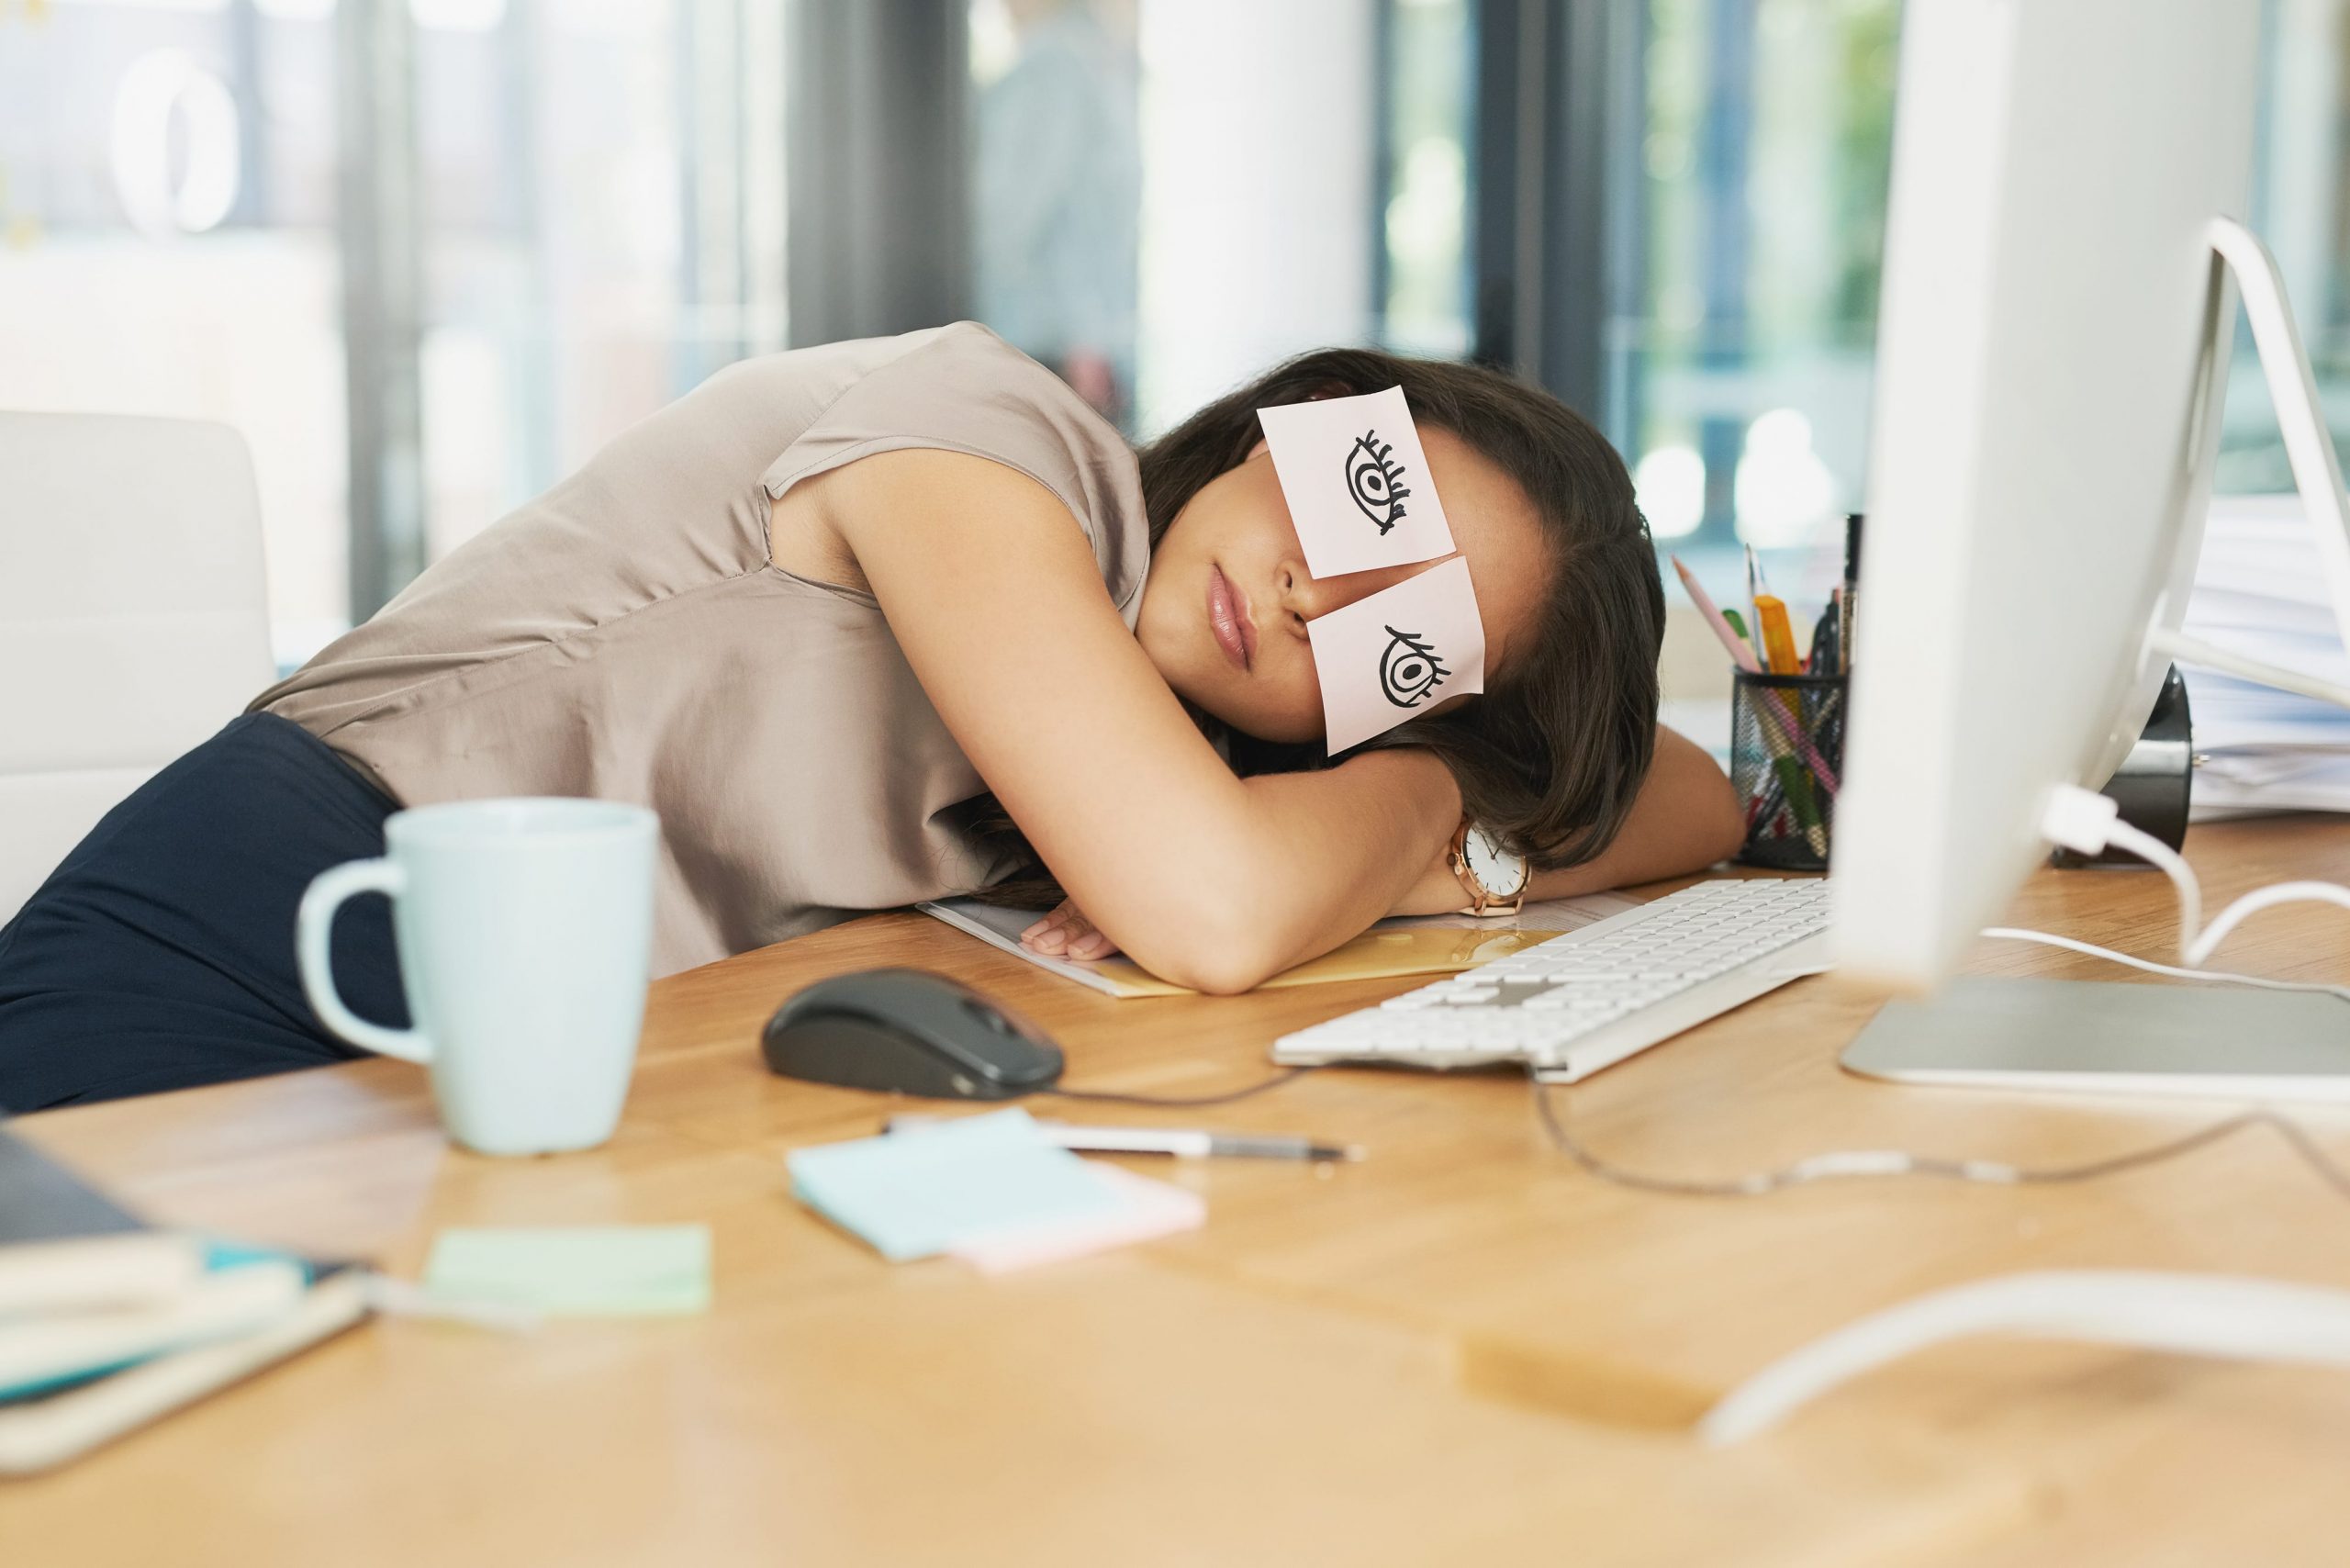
1494	879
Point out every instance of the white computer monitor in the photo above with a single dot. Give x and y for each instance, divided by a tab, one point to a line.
2050	361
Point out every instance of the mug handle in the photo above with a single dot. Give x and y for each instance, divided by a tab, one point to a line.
313	932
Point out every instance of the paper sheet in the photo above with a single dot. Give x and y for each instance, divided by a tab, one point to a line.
2261	592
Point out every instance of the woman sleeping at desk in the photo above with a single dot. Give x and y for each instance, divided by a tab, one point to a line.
898	620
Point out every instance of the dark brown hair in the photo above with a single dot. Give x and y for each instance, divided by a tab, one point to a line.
1550	758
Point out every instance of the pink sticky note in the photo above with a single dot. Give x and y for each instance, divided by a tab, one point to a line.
1357	481
1151	1209
1397	654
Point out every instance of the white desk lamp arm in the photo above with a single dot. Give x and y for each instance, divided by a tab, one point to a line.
2308	447
2208	1315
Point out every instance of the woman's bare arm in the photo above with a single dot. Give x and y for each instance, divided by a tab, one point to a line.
1211	881
1684	819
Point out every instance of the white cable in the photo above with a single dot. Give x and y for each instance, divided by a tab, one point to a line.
2089	824
2259	899
1846	1164
2153	851
2050	939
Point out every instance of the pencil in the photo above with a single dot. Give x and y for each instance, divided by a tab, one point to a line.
1732	641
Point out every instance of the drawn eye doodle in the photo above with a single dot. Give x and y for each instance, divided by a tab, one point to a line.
1372	481
1408	670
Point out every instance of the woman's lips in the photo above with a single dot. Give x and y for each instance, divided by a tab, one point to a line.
1229	618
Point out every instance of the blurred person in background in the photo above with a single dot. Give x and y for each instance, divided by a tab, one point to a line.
1057	204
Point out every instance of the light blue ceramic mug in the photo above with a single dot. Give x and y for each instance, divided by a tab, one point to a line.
525	932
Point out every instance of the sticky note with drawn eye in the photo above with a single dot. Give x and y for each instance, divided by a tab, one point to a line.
1398	653
1357	483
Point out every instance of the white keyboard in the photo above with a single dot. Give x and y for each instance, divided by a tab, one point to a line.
1587	999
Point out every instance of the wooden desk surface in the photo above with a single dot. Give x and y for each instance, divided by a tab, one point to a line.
1461	1350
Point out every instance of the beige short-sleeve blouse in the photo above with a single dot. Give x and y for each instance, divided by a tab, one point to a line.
625	636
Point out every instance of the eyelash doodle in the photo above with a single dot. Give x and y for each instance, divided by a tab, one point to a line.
1377	659
1409	669
1372	481
1343	462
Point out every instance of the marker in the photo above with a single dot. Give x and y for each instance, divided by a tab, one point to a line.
1182	1143
1778	636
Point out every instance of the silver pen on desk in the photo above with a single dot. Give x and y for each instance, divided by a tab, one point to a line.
1182	1142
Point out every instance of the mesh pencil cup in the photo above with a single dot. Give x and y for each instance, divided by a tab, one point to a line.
1786	762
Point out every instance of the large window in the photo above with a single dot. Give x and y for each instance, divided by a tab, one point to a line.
1765	140
168	179
428	255
568	212
1765	156
603	212
1420	242
2301	207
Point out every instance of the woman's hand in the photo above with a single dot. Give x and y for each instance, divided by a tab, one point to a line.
1067	933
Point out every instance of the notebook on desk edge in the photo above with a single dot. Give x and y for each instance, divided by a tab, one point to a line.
58	1227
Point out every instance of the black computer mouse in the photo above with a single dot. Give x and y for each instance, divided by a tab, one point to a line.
912	1032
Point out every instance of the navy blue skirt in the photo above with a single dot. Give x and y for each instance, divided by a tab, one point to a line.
160	955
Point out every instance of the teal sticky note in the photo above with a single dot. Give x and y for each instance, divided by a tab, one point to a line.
914	1193
625	1271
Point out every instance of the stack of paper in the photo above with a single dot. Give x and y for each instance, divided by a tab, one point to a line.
989	1189
105	1323
2260	591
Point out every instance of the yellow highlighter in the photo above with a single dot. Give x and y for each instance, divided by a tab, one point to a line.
1778	636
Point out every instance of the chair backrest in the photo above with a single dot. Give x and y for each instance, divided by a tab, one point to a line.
133	616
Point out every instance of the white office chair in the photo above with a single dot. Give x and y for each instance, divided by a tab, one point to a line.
133	620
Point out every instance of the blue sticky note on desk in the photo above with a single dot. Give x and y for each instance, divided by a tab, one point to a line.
586	1271
914	1193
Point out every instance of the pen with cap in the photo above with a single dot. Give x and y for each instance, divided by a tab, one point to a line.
1757	587
1182	1142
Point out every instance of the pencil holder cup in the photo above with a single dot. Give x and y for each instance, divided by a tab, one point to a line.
1786	762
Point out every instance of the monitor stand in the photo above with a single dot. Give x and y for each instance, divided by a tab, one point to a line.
2116	1037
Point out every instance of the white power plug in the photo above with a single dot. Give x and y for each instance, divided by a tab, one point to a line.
2080	820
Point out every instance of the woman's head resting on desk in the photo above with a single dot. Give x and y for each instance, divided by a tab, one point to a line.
1541	506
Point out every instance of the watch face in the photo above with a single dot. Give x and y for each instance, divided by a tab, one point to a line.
1497	870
